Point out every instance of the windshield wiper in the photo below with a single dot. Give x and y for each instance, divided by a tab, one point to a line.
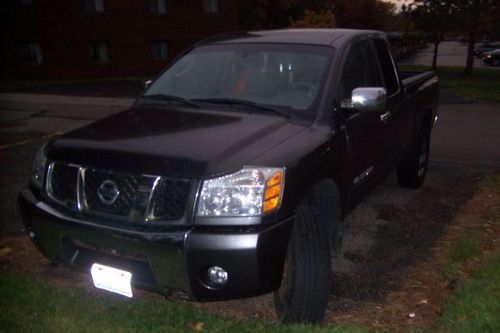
171	98
234	101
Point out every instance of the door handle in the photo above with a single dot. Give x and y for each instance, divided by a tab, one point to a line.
385	117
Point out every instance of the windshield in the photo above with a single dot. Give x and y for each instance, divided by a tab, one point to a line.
287	76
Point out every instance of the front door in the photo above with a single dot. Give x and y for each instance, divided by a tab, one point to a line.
365	132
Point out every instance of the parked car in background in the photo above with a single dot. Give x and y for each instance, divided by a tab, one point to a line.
485	47
492	57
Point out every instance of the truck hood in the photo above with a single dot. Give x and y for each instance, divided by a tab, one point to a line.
188	143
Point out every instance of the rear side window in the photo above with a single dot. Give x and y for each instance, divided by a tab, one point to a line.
360	69
384	56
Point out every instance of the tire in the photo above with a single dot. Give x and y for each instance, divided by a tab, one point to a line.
413	169
305	286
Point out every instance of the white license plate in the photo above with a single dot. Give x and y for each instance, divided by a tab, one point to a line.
111	279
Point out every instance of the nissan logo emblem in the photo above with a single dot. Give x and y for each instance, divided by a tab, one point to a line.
108	192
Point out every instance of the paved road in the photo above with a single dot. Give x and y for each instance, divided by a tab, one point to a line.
468	134
451	54
27	114
391	229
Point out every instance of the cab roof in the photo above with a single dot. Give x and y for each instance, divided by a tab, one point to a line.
326	37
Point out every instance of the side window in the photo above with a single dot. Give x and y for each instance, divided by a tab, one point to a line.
360	69
388	72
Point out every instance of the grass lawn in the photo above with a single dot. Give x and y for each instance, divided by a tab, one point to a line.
483	85
474	261
475	304
30	305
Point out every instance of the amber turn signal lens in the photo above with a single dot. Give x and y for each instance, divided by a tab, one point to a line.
272	192
275	179
270	204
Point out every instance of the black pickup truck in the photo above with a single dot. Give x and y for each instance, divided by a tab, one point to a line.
231	175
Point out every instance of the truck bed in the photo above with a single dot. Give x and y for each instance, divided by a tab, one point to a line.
412	79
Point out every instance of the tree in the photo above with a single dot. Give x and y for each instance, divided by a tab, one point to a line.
475	17
311	19
433	17
440	16
360	14
271	14
364	14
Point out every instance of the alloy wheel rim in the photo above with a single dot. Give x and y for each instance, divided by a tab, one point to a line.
422	160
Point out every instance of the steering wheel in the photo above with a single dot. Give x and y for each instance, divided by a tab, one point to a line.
303	86
300	85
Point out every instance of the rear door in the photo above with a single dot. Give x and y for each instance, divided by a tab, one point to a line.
396	118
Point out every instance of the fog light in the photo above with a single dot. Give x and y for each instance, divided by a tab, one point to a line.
217	275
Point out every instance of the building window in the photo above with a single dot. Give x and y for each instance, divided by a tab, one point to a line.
94	6
30	53
99	52
211	6
158	7
160	50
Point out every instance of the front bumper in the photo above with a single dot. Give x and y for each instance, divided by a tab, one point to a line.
166	261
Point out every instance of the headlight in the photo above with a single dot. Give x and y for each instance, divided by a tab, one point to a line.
252	191
39	167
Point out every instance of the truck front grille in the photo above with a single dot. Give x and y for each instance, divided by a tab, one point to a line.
61	183
170	199
119	196
125	184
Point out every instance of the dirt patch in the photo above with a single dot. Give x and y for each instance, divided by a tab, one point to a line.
19	255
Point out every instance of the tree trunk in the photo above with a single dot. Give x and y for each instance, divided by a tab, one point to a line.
470	54
476	11
434	58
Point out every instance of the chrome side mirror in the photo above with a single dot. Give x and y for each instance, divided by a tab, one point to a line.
367	99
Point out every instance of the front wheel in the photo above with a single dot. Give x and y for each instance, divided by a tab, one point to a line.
412	170
305	286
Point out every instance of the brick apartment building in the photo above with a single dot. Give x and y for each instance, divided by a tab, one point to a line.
104	38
